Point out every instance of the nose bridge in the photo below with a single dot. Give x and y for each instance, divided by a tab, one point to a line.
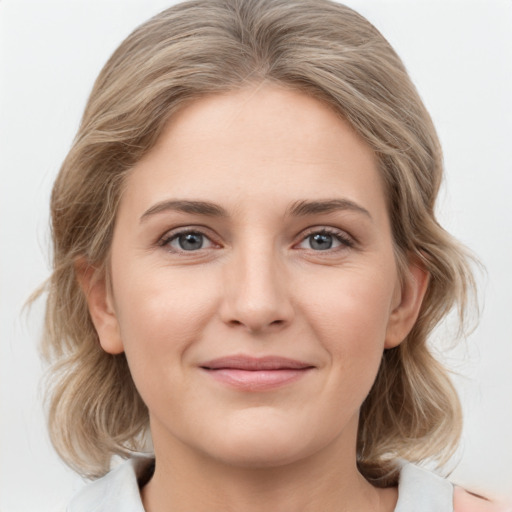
257	295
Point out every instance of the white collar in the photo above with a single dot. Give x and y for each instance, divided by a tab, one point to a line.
419	490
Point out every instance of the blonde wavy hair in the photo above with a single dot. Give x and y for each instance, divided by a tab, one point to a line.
203	47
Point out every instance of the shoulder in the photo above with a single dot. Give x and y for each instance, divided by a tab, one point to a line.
464	501
417	484
116	491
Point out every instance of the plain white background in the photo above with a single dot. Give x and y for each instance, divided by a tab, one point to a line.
459	53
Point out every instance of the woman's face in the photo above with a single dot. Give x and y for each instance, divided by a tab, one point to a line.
253	280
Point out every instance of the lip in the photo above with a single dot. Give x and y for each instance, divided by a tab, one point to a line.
256	373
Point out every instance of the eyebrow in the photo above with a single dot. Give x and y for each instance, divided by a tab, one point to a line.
297	209
303	208
194	207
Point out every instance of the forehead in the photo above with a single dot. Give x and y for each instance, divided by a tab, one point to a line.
265	143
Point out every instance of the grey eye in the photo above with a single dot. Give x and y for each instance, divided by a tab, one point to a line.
320	241
324	240
189	241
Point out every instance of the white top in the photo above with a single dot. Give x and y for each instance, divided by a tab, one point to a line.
418	491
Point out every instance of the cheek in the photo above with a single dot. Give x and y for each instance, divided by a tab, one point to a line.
350	317
161	313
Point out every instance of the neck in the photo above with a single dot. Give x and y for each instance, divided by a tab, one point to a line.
185	480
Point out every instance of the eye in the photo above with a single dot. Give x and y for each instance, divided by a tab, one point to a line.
324	239
186	241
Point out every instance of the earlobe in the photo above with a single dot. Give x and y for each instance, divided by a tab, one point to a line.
99	300
405	314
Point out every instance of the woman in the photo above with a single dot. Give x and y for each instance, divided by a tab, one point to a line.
247	268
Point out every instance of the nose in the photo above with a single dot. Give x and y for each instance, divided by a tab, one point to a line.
257	291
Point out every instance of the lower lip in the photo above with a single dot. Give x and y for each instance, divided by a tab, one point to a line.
257	380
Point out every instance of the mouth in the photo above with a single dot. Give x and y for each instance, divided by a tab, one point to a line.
256	373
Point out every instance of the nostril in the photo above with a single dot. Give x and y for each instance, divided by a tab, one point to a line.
257	327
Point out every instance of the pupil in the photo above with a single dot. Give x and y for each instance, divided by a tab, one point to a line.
321	241
191	241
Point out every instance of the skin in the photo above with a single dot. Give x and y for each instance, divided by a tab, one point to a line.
258	286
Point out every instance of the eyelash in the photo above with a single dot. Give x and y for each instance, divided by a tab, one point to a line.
345	240
340	236
173	235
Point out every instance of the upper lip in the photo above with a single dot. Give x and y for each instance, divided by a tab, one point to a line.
249	363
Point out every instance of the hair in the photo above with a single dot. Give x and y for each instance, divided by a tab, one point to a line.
204	47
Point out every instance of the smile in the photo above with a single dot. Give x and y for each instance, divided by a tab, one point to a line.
256	374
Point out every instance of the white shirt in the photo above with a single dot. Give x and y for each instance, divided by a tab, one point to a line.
418	491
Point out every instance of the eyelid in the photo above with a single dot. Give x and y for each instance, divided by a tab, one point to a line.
345	239
173	233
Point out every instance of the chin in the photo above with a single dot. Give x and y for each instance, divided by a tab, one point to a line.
266	444
260	454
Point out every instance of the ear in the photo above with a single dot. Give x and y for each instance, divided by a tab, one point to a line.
100	302
407	305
